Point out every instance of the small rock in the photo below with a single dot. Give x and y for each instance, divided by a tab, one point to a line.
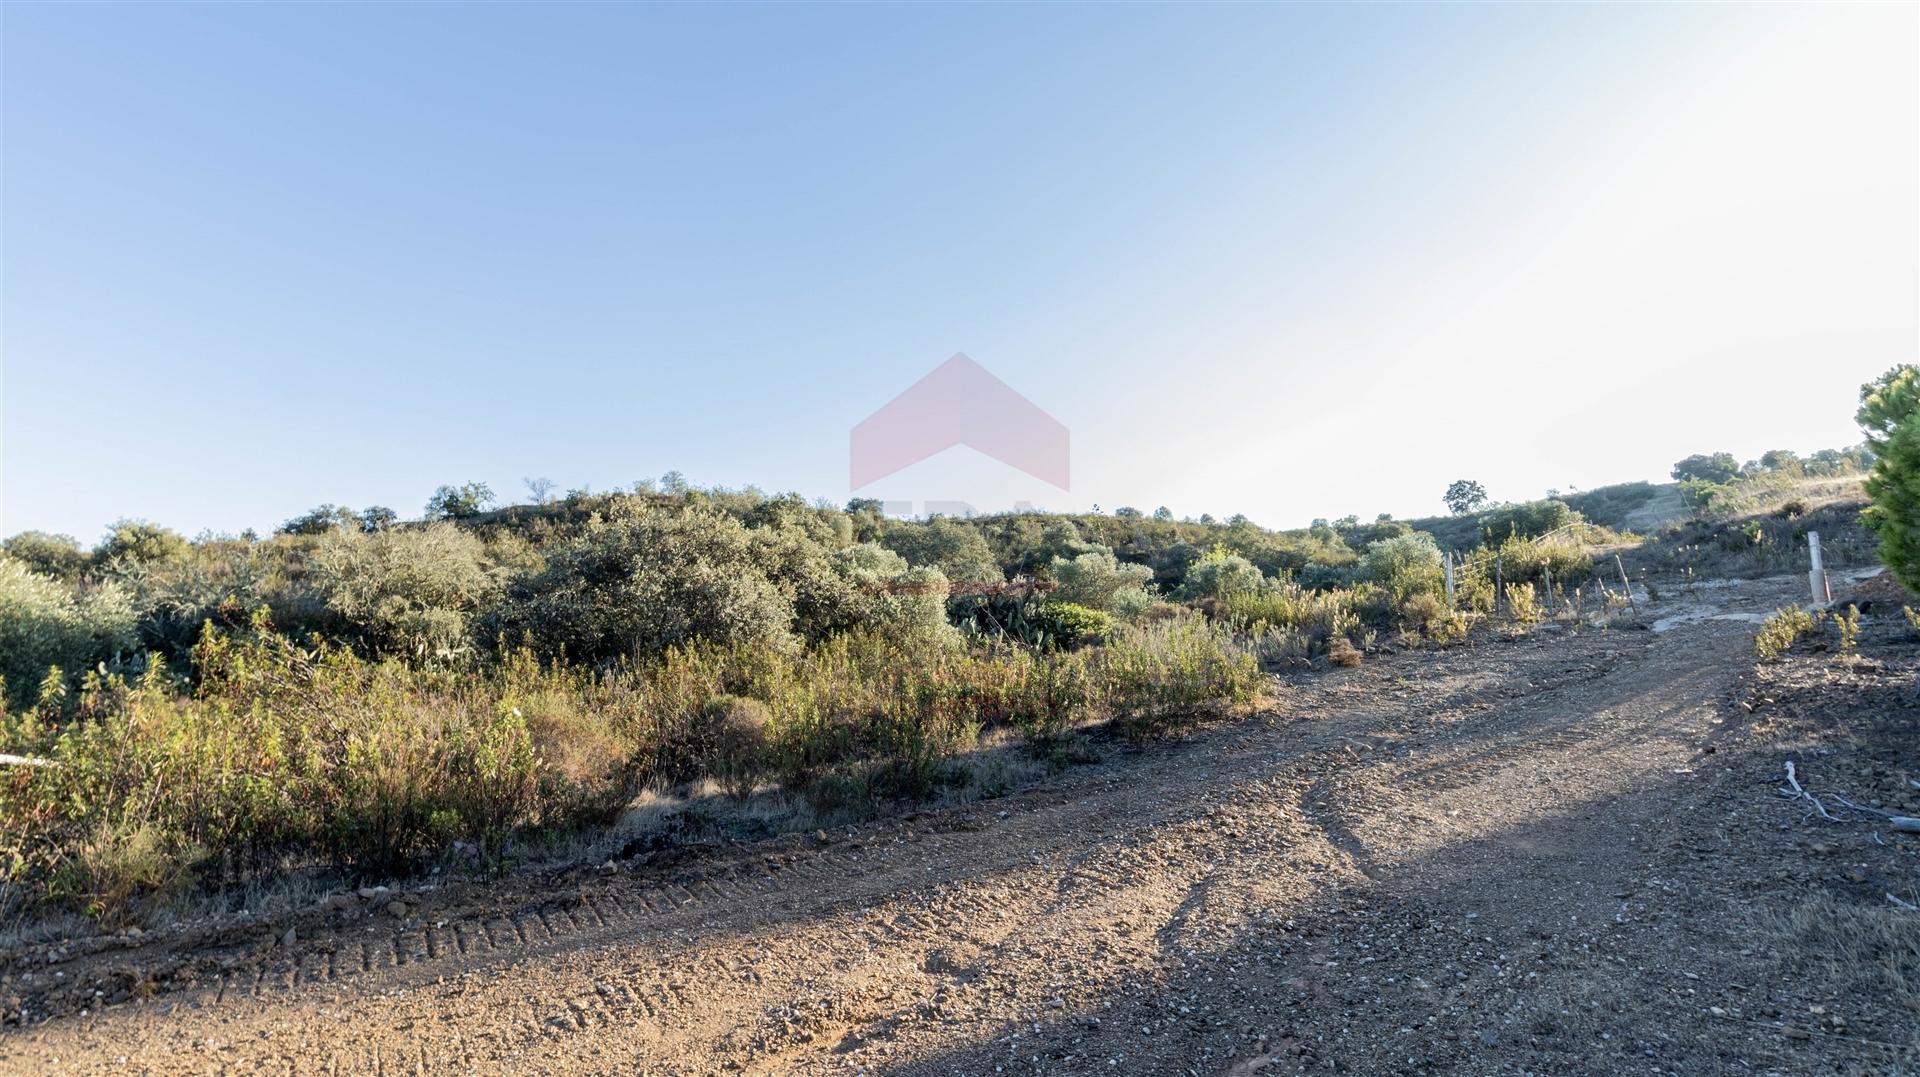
368	893
1489	1037
286	940
340	902
397	909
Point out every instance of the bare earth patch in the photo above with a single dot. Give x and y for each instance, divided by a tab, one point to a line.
1564	853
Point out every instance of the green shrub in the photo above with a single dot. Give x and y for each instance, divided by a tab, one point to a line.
953	547
45	623
287	753
1221	573
1428	613
642	581
1100	581
409	592
1068	625
459	502
1523	603
891	597
1529	519
1780	631
55	556
1848	624
1702	493
1051	694
1163	677
1404	566
320	520
137	541
1565	562
740	747
1314	618
1710	468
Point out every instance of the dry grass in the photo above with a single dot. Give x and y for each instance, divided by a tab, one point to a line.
1848	951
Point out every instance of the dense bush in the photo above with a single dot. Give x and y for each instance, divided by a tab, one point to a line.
220	579
58	556
1707	467
47	624
1099	581
1405	566
1167	675
1067	625
375	694
1286	620
459	502
286	753
138	542
888	596
320	520
1221	573
955	548
642	581
412	593
1529	519
1565	563
739	743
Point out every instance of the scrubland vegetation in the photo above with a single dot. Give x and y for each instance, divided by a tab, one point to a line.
374	695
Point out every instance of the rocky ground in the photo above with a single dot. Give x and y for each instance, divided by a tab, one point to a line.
1565	852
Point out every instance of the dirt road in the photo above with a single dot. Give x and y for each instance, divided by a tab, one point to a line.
1544	855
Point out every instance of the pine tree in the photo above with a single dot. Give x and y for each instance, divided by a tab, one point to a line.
1890	415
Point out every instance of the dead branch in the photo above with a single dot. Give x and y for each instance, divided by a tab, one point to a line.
1797	793
1904	824
24	761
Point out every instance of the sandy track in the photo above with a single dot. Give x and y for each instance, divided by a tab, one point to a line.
1487	859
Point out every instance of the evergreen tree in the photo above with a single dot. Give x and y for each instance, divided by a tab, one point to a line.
1890	415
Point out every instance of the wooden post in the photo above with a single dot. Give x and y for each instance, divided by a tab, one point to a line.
1816	574
1624	582
1449	567
1499	584
1546	572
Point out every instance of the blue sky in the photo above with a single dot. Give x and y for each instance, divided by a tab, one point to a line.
1287	261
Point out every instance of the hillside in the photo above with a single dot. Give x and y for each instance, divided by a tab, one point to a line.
1559	851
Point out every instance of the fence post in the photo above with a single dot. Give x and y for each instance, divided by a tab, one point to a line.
1816	574
1546	573
1624	582
1449	567
1499	584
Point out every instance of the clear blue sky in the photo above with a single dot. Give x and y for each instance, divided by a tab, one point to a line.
1287	261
